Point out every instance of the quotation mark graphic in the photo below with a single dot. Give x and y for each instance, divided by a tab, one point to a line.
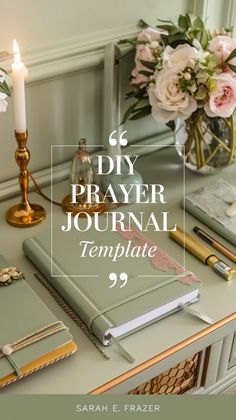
123	277
113	141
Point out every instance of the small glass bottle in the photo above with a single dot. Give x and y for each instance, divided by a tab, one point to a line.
83	175
82	172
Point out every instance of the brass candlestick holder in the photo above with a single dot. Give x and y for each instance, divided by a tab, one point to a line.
24	214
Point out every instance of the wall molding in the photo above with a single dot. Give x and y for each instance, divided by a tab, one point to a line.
200	8
81	53
230	16
71	55
10	188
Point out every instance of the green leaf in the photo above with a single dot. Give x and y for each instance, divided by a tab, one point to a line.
201	93
165	40
130	94
140	94
231	56
229	29
128	112
232	67
141	114
204	38
189	19
170	29
141	104
145	73
4	71
168	21
183	22
198	23
164	20
171	125
143	24
126	41
165	27
198	35
4	88
149	64
177	37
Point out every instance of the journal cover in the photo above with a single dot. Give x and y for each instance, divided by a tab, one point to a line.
88	270
31	337
210	203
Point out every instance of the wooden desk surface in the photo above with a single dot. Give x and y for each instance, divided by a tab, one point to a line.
87	369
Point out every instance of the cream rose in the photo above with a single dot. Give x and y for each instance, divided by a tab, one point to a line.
180	57
222	101
166	98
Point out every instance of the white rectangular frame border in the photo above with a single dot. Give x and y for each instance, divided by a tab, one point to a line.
51	207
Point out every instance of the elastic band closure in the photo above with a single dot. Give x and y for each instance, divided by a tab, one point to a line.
137	295
8	349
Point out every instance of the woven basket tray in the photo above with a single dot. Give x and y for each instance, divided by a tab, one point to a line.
176	380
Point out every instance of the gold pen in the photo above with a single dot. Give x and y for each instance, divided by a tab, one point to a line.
215	244
202	253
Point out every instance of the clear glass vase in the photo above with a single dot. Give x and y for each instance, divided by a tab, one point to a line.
206	144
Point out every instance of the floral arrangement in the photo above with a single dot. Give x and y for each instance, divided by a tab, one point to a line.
4	89
181	68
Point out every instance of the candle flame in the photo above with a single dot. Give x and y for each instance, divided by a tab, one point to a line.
16	52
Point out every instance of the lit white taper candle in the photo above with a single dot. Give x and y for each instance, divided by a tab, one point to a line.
18	78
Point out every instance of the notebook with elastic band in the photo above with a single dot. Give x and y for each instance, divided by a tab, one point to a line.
113	298
31	337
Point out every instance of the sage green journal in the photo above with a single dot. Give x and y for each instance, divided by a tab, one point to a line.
111	296
23	314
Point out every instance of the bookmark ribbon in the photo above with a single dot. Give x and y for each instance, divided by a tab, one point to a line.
122	350
8	349
197	314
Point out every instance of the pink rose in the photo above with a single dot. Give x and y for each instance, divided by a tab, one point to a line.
138	79
143	52
222	101
167	99
222	46
149	35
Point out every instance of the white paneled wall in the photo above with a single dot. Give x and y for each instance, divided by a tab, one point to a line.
62	44
37	23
